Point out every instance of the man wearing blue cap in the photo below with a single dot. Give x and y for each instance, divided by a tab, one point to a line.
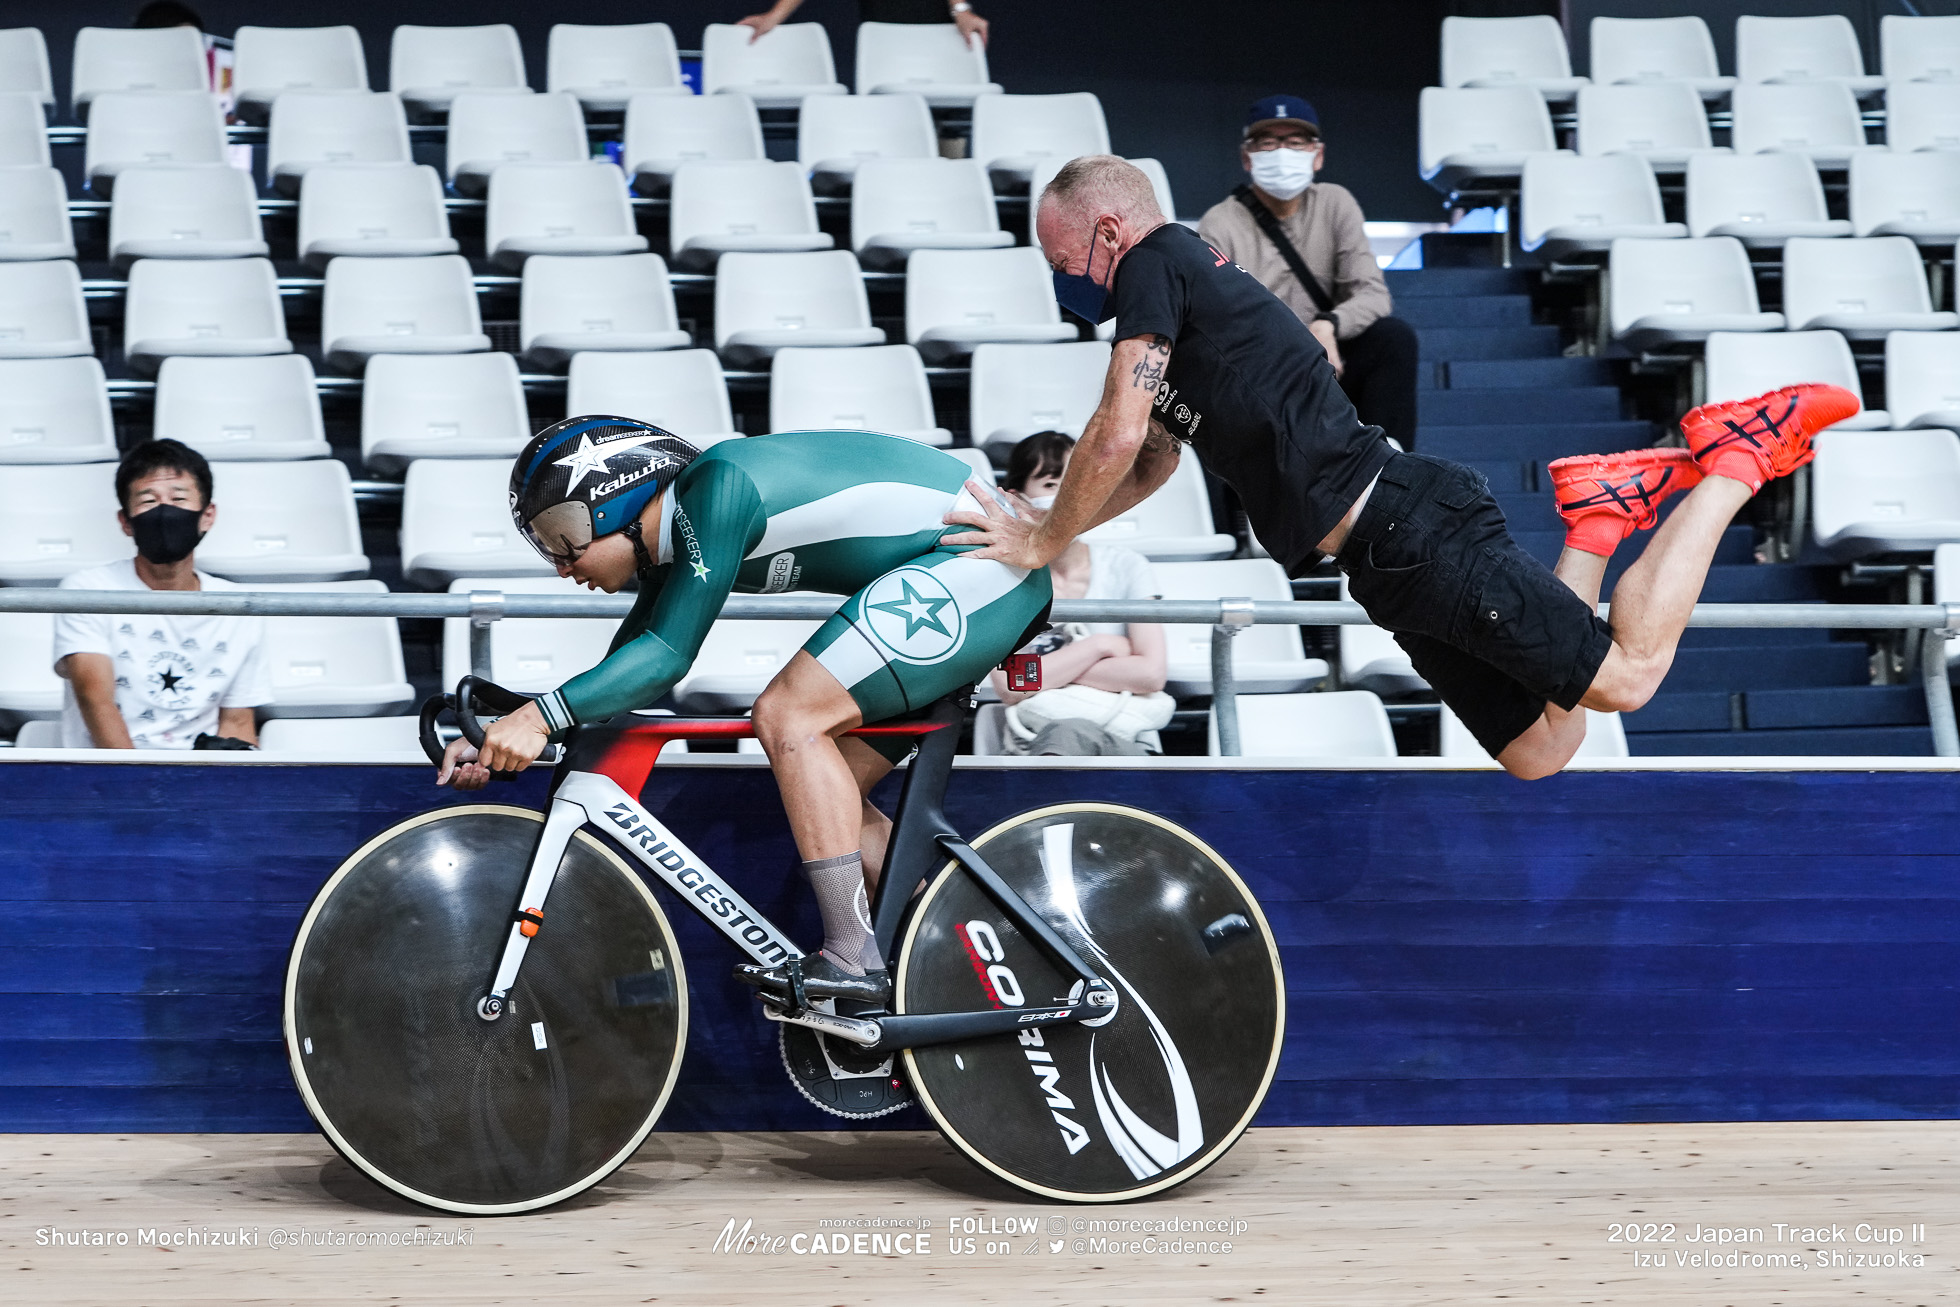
1305	242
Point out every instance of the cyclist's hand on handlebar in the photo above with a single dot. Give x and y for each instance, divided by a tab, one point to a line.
514	742
460	767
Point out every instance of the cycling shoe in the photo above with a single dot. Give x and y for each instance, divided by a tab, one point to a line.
822	978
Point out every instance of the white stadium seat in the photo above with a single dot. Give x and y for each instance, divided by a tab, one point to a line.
1266	658
111	59
606	66
1371	660
559	208
171	211
372	210
1333	724
429	66
60	518
492	128
24	64
55	411
1760	199
334	666
1480	135
1796	50
129	129
244	408
1606	737
736	663
1864	287
42	313
311	128
356	739
441	406
901	205
1742	365
34	215
456	522
23	131
930	59
682	391
1920	49
1819	119
283	522
529	655
1575	205
1922	116
399	306
1915	195
1656	50
29	687
764	302
621	303
753	207
1662	122
1527	51
1885	492
267	62
39	735
882	388
957	300
221	307
836	133
1011	133
1922	379
1017	390
777	71
983	467
1173	524
1665	292
664	131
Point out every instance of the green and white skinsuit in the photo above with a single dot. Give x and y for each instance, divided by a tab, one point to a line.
841	512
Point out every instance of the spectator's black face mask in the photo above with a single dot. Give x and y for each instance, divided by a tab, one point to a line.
166	533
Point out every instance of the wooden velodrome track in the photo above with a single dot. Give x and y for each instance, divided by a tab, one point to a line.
1408	1215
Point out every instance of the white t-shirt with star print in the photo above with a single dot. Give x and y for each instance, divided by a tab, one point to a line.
172	673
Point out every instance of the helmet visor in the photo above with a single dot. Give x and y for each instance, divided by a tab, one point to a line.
560	532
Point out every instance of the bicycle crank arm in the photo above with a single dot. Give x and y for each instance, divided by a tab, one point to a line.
859	1030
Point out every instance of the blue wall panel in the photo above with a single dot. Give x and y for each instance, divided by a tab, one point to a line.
1459	947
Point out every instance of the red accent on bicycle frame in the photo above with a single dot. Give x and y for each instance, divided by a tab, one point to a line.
629	760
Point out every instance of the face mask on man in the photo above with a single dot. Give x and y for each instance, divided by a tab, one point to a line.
1081	294
166	534
1282	173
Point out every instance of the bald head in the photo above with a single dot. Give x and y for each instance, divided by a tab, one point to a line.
1096	201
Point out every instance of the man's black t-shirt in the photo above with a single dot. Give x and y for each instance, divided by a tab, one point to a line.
1250	388
903	11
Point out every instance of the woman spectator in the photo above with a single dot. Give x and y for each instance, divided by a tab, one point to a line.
1102	683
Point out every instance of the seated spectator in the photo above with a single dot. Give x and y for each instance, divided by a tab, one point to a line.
1103	682
1305	242
151	681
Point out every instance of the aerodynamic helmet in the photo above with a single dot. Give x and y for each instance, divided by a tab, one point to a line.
587	477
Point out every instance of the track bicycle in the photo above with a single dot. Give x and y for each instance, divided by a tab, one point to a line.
485	1008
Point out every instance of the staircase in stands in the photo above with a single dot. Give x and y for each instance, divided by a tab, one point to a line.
1497	395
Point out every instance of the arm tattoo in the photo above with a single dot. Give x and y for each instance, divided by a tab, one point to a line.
1159	443
1149	371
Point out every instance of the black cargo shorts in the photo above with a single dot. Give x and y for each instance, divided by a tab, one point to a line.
1495	634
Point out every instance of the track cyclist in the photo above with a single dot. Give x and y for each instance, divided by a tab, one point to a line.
606	499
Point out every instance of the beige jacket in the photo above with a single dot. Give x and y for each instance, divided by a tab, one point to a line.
1327	231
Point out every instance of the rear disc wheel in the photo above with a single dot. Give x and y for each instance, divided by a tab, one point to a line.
1137	1102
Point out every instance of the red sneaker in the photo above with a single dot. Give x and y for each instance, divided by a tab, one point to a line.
1604	498
1754	440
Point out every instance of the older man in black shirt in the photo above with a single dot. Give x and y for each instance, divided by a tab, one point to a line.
1207	355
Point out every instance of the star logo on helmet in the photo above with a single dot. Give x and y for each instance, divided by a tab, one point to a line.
589	458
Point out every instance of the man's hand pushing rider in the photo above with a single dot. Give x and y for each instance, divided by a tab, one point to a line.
509	744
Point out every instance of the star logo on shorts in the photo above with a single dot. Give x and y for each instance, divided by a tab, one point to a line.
589	458
919	611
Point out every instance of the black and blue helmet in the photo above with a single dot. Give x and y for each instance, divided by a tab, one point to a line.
587	477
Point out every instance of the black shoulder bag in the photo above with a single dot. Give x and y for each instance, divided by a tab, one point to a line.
1277	235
